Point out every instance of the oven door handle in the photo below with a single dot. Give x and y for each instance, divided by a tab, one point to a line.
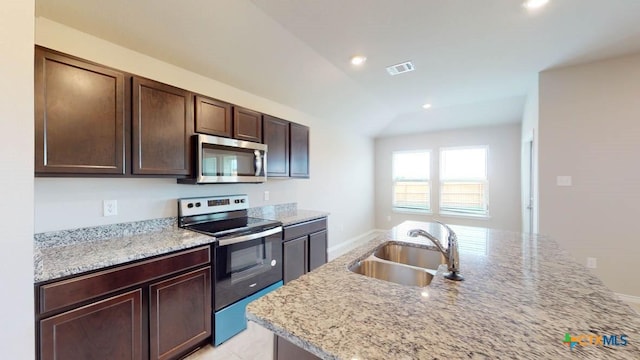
243	238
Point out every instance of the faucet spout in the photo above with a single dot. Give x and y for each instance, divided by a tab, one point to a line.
434	240
451	253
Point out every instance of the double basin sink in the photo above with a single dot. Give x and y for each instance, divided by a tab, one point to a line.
401	264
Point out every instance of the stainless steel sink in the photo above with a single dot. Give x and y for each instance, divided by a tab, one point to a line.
409	255
399	274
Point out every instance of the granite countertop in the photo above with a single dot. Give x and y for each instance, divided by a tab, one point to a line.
287	215
63	253
522	293
71	252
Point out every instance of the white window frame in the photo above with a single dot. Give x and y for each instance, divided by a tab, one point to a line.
484	213
405	209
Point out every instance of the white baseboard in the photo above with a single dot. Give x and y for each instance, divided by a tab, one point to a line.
629	298
346	246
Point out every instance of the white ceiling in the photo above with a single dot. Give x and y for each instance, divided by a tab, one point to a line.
475	60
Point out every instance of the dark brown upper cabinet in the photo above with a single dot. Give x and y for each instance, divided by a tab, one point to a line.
299	157
80	116
247	124
213	117
276	137
162	127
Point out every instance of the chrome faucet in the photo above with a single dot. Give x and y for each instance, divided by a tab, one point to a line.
451	253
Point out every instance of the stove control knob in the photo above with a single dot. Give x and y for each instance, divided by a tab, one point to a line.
242	201
273	262
190	205
198	204
237	201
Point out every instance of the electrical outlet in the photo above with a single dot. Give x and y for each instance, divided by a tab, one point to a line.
592	263
110	207
266	196
564	180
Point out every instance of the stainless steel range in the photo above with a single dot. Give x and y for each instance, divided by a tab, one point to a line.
247	256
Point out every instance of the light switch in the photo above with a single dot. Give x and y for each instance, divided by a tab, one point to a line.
564	180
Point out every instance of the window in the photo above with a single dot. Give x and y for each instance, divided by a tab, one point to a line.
463	181
411	188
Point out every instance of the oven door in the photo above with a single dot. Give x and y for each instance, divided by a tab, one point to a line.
222	160
245	265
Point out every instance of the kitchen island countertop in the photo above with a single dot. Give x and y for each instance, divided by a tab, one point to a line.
522	294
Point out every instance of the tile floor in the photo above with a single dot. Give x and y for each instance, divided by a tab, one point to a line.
255	343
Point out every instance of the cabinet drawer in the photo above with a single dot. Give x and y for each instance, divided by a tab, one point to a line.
107	329
305	228
65	293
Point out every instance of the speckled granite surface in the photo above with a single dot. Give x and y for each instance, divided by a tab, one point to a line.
69	252
521	295
288	214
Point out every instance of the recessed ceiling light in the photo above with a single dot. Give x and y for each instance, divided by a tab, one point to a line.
426	106
358	60
534	4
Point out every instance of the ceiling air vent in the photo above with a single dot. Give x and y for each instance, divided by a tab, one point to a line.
400	68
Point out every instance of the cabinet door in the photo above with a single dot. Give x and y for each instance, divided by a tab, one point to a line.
299	159
213	117
247	124
276	137
79	116
284	350
295	259
162	128
317	249
180	313
108	329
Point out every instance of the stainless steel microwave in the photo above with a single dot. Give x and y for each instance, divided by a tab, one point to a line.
222	160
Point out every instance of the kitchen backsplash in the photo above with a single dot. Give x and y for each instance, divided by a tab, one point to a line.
270	211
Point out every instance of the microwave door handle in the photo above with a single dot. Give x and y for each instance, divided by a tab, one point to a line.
243	238
258	162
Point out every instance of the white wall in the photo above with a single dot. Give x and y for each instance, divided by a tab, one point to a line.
339	161
530	132
590	130
16	179
503	174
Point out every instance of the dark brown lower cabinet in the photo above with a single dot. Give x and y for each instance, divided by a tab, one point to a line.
284	350
180	313
317	249
108	329
157	308
295	259
304	248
